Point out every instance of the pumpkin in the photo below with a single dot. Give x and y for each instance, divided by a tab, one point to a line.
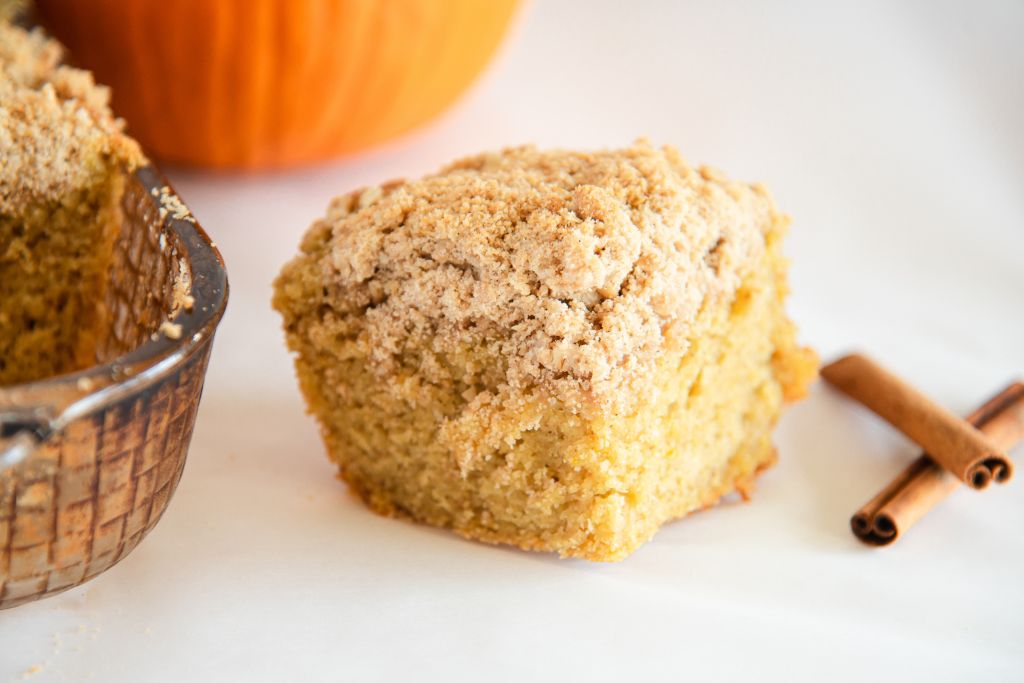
271	83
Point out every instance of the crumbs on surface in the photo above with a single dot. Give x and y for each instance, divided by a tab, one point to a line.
170	330
578	269
171	205
181	294
55	122
32	671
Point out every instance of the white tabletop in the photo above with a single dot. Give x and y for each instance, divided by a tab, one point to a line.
890	131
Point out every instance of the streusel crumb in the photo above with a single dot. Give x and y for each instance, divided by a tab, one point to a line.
576	267
54	120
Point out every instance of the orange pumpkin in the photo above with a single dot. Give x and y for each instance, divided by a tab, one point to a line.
267	83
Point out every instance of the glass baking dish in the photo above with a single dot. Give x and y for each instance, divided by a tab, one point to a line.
89	460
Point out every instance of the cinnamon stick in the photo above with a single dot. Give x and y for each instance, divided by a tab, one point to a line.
955	444
924	483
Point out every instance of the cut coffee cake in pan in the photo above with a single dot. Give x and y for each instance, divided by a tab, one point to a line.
556	350
62	175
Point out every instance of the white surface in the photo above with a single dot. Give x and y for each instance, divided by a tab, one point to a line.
891	132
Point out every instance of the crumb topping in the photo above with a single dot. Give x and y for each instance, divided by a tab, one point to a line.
55	122
578	269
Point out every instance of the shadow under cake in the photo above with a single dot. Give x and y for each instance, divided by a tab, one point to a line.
556	350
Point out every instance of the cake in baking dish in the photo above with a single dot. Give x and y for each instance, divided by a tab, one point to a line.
61	178
556	350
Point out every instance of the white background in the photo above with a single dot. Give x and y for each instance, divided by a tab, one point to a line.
890	131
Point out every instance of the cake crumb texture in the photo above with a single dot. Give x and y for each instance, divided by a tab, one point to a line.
554	349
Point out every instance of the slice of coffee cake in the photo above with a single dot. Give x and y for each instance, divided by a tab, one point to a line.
556	350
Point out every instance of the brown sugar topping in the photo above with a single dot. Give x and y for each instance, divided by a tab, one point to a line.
54	121
579	269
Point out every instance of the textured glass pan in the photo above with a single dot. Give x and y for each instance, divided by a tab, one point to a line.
88	461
